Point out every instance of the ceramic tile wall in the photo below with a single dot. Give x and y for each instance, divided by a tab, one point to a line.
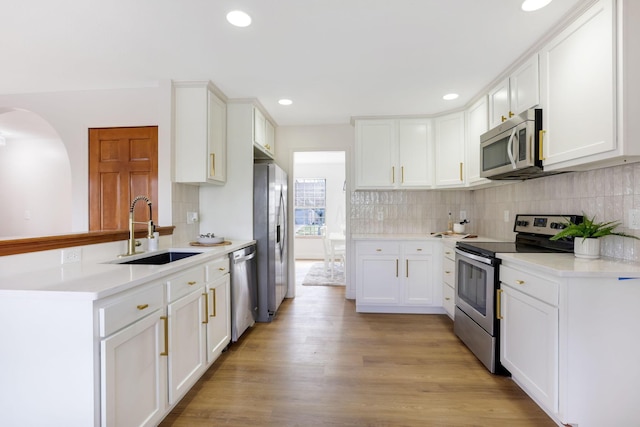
607	193
407	212
185	198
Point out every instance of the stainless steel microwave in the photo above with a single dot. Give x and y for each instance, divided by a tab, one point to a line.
513	150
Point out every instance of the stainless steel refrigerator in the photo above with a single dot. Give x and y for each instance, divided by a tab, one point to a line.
270	232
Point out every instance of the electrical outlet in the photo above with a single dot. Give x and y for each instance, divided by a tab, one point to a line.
506	216
71	255
463	215
192	217
634	219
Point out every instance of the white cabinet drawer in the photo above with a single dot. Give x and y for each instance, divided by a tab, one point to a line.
530	284
448	300
217	268
126	309
378	248
185	283
449	253
417	248
449	272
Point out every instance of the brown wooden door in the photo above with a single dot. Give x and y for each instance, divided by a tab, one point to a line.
123	164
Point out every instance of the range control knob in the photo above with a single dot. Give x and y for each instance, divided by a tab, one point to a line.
557	225
522	223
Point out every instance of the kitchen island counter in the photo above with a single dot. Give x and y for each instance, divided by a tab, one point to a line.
91	280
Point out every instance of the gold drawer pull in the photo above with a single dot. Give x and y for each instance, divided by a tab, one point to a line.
447	298
221	268
499	304
447	253
191	283
142	306
206	308
520	282
213	294
166	336
419	249
378	250
447	272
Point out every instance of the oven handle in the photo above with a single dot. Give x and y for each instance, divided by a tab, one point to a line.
474	257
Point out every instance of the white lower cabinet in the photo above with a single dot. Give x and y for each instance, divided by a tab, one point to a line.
529	340
134	374
396	277
449	278
565	339
187	341
218	316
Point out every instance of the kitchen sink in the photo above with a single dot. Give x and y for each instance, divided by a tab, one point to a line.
162	258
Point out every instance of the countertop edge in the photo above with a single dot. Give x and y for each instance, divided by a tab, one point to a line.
69	281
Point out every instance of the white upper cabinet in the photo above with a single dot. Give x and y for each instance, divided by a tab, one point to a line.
263	136
200	134
393	154
449	145
515	94
588	109
477	124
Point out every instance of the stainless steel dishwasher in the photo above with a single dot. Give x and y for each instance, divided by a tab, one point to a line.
244	290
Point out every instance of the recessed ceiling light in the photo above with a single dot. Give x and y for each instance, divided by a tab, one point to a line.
450	96
239	18
531	5
285	102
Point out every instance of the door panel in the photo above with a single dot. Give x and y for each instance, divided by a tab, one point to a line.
123	164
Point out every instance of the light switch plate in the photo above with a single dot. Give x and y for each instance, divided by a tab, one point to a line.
70	255
634	219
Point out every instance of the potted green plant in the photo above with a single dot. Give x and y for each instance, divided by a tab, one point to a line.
586	235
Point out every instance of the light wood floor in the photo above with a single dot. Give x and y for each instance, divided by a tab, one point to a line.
319	363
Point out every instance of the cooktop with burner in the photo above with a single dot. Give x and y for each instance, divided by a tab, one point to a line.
533	236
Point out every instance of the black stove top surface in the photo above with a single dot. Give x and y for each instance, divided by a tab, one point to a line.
490	249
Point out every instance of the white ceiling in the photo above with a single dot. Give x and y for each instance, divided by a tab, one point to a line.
334	58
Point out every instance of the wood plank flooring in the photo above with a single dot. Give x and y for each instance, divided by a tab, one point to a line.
319	363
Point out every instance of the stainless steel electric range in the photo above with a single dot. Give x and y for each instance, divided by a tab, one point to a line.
477	280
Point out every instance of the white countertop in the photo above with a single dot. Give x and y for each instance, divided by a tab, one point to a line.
567	265
452	237
95	280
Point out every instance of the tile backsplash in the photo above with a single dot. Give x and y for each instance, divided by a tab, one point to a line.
607	193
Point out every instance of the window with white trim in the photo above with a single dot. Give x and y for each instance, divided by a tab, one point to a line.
310	199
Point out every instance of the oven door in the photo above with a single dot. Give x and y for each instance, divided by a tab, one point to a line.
475	288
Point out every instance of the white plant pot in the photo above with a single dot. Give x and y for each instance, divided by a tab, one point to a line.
586	248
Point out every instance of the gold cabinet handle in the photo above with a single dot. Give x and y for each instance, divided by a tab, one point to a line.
221	268
215	305
541	143
206	308
447	272
419	249
393	174
503	119
461	165
511	114
166	336
191	283
397	267
447	253
378	250
499	304
520	282
142	306
212	167
402	173
406	268
447	298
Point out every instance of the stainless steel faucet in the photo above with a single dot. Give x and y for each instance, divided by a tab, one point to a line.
131	250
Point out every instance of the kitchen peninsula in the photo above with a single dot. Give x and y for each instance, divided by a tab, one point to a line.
75	333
